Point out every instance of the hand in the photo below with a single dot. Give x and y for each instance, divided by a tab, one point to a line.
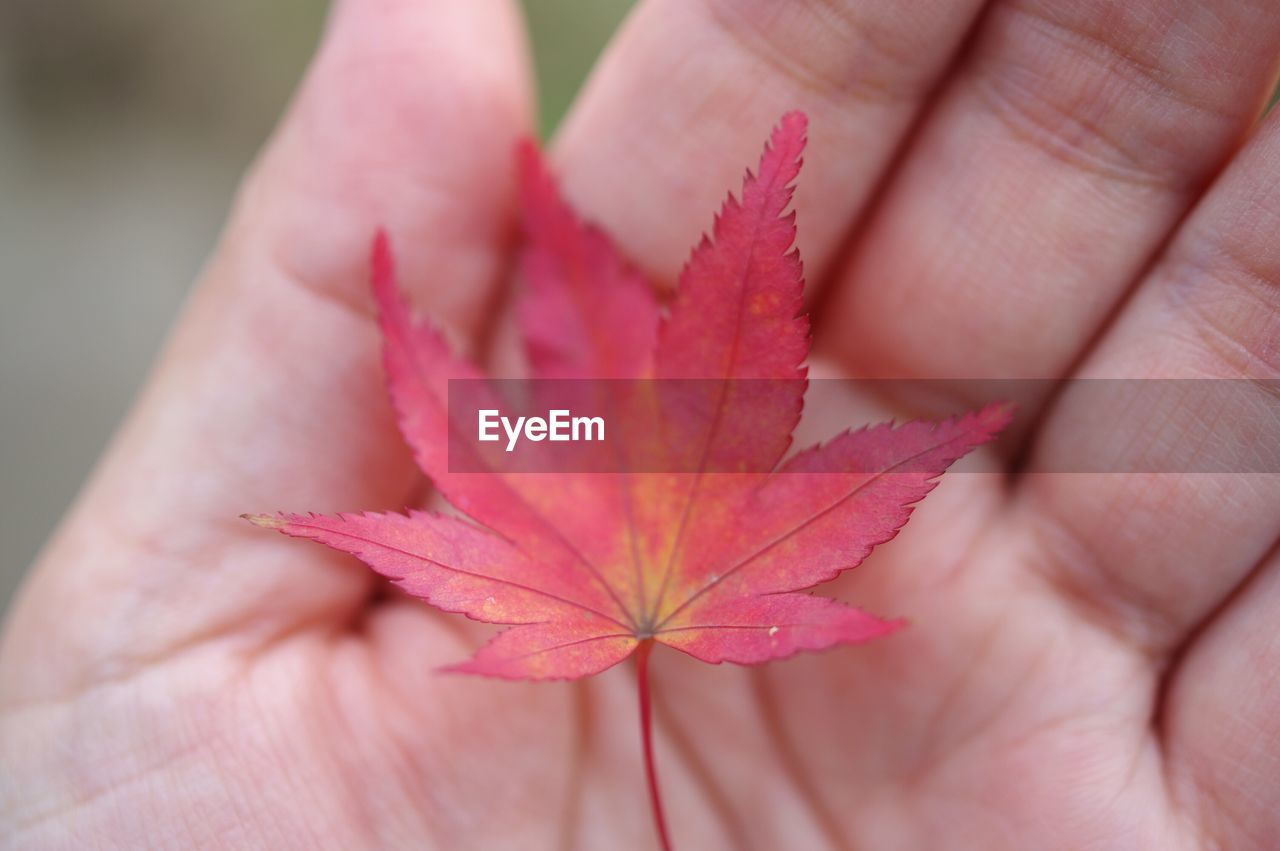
1042	190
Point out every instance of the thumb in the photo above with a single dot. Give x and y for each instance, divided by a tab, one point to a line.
269	394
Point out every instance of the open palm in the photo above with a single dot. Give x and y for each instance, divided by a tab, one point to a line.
1030	189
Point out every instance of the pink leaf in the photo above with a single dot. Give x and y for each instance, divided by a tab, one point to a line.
706	555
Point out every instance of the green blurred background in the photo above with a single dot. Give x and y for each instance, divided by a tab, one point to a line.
124	127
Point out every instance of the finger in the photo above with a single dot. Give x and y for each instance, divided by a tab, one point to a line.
1220	725
269	394
686	91
1072	139
1150	555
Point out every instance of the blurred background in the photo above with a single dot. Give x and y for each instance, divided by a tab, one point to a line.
124	127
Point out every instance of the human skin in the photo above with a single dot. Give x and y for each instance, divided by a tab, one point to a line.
1037	189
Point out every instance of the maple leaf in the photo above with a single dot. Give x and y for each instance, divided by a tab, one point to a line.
711	555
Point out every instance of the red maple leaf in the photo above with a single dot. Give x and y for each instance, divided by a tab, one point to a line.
709	556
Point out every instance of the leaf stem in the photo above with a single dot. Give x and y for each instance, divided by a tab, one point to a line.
646	737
